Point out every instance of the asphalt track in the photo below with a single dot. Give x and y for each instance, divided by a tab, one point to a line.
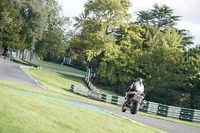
12	72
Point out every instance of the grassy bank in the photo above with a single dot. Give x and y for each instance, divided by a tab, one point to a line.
60	83
28	113
72	70
60	67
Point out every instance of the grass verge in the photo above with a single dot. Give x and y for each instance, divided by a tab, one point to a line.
106	90
73	70
60	83
27	113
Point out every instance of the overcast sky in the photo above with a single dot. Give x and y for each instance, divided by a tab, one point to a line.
188	9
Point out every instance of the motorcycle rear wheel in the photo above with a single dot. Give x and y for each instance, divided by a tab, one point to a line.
135	107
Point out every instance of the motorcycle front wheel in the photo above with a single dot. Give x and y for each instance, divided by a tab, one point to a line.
135	107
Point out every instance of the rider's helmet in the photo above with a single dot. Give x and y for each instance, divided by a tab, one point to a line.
139	80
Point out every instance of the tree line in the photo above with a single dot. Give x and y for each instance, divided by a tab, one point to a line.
34	25
106	39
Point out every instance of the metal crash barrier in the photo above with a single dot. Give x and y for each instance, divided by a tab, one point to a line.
149	107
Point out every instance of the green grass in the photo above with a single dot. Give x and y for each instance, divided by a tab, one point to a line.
60	83
22	113
60	67
106	91
73	70
54	81
30	89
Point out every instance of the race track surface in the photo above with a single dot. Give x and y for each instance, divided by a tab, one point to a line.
12	72
164	125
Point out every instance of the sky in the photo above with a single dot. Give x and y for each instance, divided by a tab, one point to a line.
188	9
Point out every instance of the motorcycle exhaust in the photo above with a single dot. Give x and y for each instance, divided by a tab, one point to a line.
143	103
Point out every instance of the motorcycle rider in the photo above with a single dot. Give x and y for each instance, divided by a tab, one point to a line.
136	86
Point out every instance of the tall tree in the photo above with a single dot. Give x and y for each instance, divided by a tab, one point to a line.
53	43
193	74
109	38
163	65
162	17
34	13
10	27
99	15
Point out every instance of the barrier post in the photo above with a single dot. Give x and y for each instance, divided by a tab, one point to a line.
114	100
72	87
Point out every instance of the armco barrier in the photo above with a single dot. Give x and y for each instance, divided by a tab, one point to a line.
80	90
186	114
94	95
152	108
174	112
196	116
149	107
118	100
162	110
85	92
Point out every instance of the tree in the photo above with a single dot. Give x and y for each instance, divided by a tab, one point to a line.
162	17
10	27
163	65
110	49
34	13
53	44
193	74
98	16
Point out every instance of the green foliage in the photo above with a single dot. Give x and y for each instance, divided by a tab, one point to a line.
93	23
35	15
163	18
53	43
98	16
76	51
110	50
162	63
10	26
193	74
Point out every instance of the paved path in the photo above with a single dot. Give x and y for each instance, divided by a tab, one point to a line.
11	71
63	72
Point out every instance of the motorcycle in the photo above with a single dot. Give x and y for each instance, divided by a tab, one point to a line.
136	102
